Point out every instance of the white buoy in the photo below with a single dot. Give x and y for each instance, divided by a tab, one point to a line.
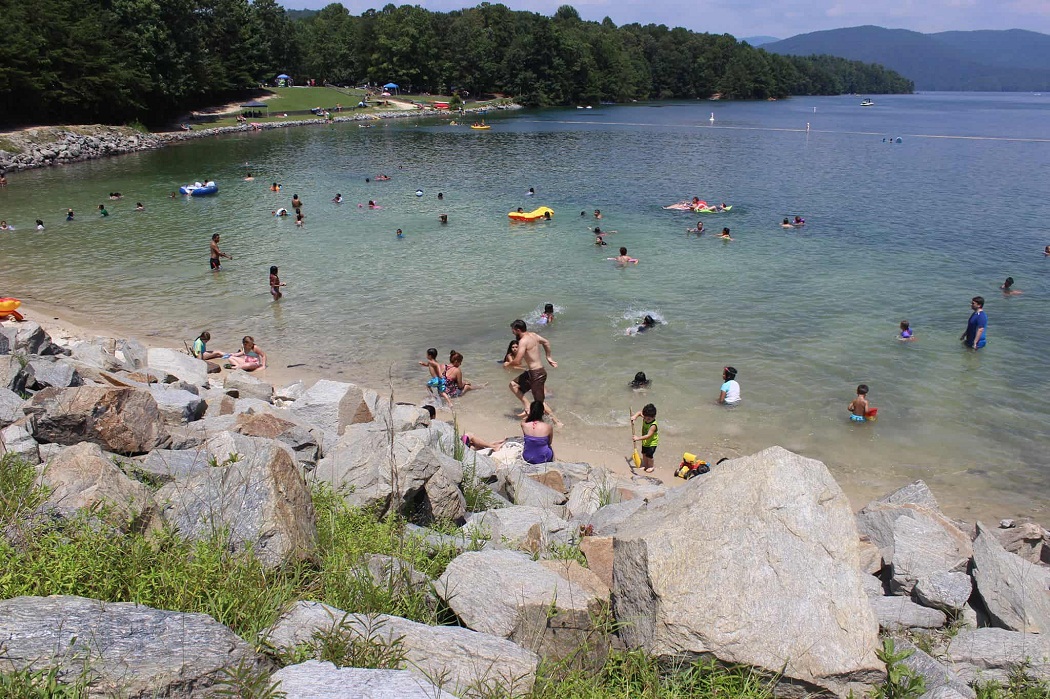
807	127
814	110
712	119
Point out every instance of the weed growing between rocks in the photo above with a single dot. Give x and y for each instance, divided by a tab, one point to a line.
20	494
39	684
1020	685
901	681
479	496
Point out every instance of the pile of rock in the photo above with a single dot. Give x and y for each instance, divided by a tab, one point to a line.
48	146
760	562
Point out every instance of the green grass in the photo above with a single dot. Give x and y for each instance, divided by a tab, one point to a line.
75	557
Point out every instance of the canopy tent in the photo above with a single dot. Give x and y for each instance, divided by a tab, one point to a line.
284	80
283	76
391	86
253	107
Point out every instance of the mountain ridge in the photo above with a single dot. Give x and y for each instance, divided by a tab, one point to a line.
981	60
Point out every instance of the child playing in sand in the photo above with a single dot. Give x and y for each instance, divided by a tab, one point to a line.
650	436
906	334
275	283
859	407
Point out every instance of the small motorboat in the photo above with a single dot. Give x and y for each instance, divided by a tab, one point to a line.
199	190
867	102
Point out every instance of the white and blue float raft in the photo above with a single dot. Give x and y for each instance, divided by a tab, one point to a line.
199	190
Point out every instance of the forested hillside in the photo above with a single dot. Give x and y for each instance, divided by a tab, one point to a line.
1008	60
115	61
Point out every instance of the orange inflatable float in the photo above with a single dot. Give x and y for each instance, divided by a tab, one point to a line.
8	308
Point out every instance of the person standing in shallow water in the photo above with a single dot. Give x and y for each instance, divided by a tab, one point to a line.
976	334
528	354
214	261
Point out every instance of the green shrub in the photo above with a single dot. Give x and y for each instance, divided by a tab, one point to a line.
901	681
20	493
39	684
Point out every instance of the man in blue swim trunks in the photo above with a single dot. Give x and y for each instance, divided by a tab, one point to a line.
976	335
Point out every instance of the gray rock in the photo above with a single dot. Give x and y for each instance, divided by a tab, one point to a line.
1025	540
999	650
439	435
781	586
1015	592
948	592
248	386
400	417
443	498
531	529
606	519
525	490
291	392
333	405
872	586
98	353
465	659
322	680
946	693
18	439
15	373
195	434
120	420
938	675
177	407
375	468
30	338
923	546
876	522
10	407
168	464
303	441
81	478
584	500
397	575
189	369
131	650
896	613
5	343
507	594
261	500
133	353
49	371
917	493
436	541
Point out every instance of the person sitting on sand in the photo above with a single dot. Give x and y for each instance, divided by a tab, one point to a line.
539	436
623	259
200	347
1008	288
249	358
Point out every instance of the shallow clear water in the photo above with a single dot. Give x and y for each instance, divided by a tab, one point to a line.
894	231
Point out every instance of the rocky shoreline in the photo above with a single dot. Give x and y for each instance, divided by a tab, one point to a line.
759	563
63	145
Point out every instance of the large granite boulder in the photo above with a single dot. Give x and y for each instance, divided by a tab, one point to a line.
1015	592
443	498
897	613
120	420
28	337
177	407
376	468
51	371
10	407
924	545
508	594
166	465
333	405
99	353
877	521
1025	539
948	592
129	650
530	529
82	479
258	498
15	373
756	564
323	680
187	368
248	386
469	661
997	652
304	442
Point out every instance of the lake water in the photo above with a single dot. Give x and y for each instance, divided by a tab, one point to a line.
895	231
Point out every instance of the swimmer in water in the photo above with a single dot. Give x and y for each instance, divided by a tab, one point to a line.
1046	251
787	224
648	322
373	205
400	234
725	235
139	207
39	225
799	221
443	218
597	213
699	230
531	192
1008	288
547	317
640	382
599	240
275	187
623	259
69	217
906	333
249	178
337	199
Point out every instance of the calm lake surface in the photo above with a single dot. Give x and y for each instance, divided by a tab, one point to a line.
894	231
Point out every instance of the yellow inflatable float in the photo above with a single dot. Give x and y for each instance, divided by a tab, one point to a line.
543	213
8	308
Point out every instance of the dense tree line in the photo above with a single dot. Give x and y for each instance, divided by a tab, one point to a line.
113	61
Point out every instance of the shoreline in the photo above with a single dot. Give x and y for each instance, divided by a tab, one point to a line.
77	143
602	447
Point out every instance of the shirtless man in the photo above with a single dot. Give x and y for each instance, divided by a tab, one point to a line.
216	253
529	344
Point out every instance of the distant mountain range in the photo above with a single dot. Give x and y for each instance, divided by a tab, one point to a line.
757	41
986	60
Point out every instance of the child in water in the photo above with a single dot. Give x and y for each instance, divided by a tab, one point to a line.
650	436
648	322
906	334
640	381
860	409
547	317
400	234
1008	288
725	235
275	283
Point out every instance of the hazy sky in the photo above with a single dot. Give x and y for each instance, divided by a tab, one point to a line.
780	18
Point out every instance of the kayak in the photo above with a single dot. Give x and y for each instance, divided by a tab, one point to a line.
534	215
199	190
712	210
482	127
